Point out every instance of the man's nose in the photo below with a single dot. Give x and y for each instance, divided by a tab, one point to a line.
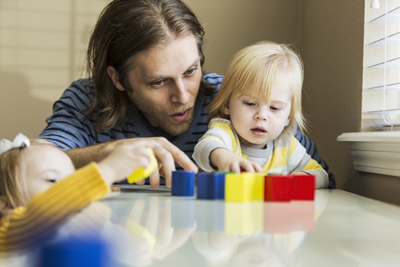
179	93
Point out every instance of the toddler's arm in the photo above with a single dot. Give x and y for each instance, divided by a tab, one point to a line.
301	161
48	210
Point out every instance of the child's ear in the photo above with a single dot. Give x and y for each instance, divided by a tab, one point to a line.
287	122
226	109
5	205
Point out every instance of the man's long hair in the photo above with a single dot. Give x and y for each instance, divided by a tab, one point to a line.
124	28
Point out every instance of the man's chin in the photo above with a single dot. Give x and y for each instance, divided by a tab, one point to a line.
177	129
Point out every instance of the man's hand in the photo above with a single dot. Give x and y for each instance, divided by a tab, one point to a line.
226	161
166	154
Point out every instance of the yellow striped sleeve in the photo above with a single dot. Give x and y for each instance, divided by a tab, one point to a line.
48	210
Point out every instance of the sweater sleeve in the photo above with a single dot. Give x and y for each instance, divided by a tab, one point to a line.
48	210
300	160
312	150
215	137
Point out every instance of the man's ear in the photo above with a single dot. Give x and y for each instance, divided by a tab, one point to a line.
115	78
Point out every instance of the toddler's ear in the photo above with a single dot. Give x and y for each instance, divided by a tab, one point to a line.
226	109
287	122
5	205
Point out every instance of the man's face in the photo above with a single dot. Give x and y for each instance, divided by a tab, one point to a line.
165	82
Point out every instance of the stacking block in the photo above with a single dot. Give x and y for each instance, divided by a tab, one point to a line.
258	187
243	218
182	183
243	187
278	188
303	187
239	187
182	213
210	185
141	173
209	216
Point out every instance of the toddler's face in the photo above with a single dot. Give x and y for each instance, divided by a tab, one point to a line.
258	122
41	166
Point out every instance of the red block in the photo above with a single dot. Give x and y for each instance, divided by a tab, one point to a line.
303	187
278	188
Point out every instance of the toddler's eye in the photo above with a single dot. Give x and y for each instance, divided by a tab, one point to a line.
250	104
51	181
274	108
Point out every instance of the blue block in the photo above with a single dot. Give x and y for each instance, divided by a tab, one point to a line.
182	183
211	185
74	252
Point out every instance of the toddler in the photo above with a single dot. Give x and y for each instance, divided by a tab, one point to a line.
256	113
34	196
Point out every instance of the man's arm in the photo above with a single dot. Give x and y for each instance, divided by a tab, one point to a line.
82	156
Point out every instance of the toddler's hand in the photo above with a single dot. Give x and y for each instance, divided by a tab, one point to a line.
227	161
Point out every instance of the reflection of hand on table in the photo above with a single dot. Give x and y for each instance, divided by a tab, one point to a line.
158	223
218	247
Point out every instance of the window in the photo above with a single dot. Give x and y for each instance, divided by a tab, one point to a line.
374	150
381	76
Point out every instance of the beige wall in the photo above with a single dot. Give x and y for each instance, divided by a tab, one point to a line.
333	54
41	46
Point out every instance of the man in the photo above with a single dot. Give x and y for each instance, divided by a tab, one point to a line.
145	62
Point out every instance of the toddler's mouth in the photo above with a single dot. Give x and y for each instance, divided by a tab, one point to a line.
258	131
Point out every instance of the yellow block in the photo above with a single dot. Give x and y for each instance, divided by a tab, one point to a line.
258	187
141	173
244	187
239	187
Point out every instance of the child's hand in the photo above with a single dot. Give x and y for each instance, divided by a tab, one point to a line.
227	161
125	158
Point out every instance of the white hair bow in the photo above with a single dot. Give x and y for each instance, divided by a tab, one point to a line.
19	141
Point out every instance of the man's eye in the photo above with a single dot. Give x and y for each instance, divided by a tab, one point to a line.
190	71
158	83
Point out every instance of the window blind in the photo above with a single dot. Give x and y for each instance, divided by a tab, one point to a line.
381	75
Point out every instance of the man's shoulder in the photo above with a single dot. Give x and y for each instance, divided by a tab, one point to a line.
80	88
213	78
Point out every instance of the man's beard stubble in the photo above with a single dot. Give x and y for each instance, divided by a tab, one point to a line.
164	121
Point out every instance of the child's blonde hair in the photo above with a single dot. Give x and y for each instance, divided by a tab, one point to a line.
257	67
12	188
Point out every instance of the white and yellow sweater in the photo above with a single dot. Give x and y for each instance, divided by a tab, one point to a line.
279	157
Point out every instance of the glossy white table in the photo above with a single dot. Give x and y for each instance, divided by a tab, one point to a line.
144	227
